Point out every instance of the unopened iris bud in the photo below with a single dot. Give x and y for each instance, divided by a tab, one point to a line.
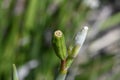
80	37
59	45
79	40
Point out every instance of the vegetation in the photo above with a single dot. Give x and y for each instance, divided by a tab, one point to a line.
26	28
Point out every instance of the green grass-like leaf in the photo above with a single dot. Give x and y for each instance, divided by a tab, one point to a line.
15	75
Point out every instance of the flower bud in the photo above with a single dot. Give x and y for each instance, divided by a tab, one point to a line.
79	40
59	45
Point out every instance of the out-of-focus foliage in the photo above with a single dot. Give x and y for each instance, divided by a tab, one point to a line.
26	28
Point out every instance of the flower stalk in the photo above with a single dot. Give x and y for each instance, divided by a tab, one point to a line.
67	56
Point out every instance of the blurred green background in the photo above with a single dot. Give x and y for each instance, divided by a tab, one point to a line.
26	28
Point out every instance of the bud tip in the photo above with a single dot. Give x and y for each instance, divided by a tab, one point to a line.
86	28
58	33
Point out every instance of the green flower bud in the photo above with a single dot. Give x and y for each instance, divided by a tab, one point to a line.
59	45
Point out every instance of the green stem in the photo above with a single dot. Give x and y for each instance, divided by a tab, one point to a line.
65	65
61	77
63	71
